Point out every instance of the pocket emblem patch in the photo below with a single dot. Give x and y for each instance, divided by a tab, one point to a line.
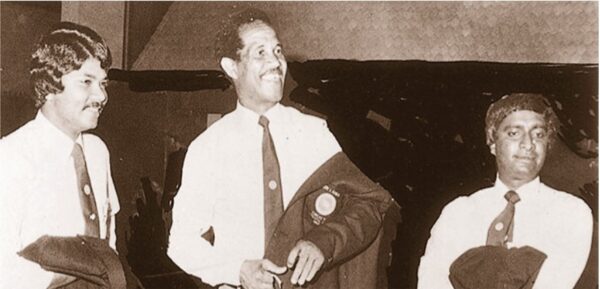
325	204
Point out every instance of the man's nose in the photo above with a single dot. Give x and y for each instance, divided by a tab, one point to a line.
527	142
99	93
274	61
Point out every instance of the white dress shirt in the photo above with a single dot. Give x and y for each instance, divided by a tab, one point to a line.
554	222
222	187
39	195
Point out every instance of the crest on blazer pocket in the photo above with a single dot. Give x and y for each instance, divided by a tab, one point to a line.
324	204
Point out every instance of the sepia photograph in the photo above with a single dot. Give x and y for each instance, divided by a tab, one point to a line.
299	144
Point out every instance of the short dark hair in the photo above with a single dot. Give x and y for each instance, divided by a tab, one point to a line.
516	102
62	50
228	41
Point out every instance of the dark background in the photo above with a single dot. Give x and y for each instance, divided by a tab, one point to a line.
414	126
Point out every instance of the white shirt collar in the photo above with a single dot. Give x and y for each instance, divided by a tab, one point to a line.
274	113
525	191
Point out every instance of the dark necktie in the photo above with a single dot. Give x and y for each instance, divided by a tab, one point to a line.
273	201
86	195
501	229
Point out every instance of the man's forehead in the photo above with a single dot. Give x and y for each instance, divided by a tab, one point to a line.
256	31
523	116
91	68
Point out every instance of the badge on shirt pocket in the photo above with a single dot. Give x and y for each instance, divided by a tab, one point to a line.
324	205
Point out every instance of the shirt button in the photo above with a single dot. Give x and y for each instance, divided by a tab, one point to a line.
86	189
92	216
499	226
272	185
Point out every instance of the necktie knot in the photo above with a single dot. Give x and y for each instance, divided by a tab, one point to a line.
512	197
263	121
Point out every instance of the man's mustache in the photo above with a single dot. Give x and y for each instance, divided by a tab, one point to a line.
96	105
274	70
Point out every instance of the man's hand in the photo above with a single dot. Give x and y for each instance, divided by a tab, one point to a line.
259	274
308	259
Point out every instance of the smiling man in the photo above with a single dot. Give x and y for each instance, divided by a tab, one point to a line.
266	190
519	233
55	179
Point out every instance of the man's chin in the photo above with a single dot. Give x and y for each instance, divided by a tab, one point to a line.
275	96
525	163
527	173
90	124
272	88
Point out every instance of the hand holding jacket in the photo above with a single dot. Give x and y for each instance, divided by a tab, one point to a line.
339	233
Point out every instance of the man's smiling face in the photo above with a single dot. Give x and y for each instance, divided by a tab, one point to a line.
78	107
262	67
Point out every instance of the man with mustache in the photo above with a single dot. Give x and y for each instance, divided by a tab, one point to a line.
55	179
240	220
519	227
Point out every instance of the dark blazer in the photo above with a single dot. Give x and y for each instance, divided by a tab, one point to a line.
496	267
348	232
81	262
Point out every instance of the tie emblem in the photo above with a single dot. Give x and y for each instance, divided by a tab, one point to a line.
86	195
273	200
500	231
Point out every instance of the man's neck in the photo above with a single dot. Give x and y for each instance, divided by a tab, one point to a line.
56	121
259	109
514	184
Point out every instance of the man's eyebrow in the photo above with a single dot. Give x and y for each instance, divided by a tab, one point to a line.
520	126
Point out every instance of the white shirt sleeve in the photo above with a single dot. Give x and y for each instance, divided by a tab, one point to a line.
114	207
571	246
15	272
192	216
442	249
327	143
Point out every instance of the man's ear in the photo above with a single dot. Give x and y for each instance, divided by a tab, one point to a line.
490	140
493	148
49	96
230	67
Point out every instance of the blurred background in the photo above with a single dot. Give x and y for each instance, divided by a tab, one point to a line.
404	87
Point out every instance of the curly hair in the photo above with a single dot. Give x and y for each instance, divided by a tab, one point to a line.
228	41
516	102
62	50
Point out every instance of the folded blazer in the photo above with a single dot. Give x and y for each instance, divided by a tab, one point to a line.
80	262
341	211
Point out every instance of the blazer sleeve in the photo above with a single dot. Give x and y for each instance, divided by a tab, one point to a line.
355	225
